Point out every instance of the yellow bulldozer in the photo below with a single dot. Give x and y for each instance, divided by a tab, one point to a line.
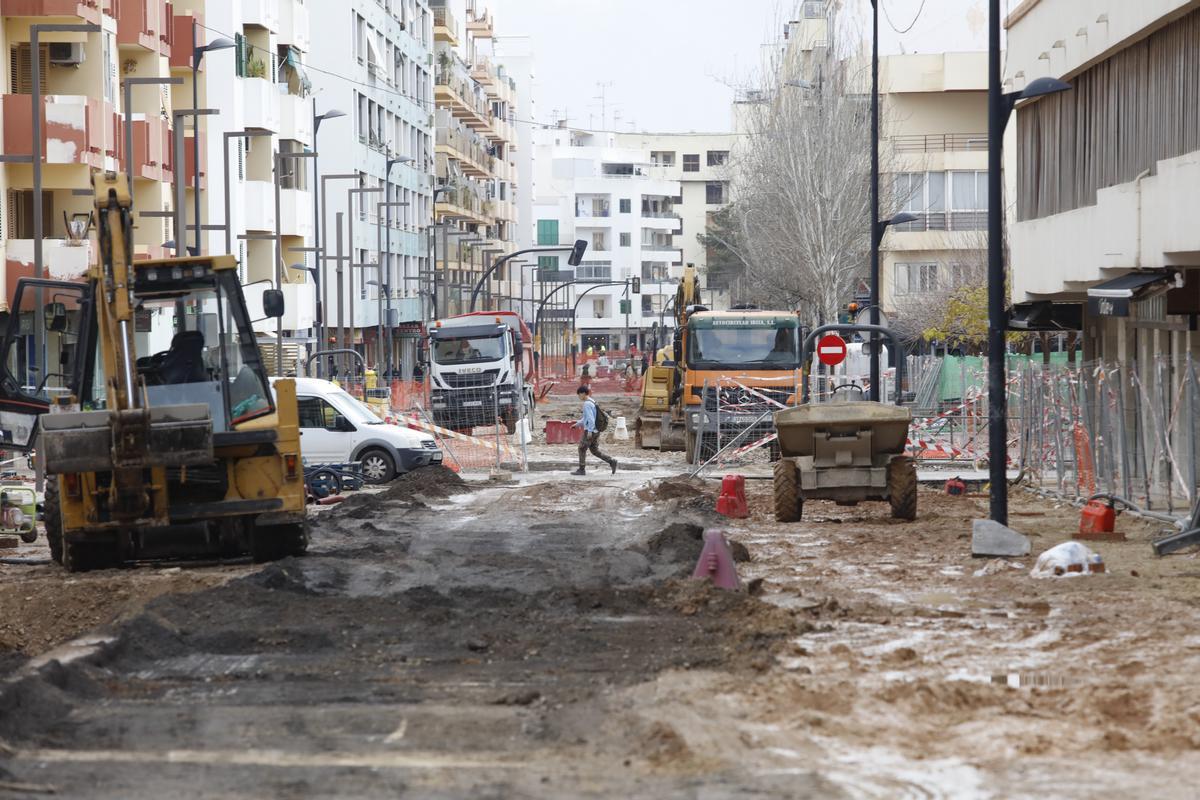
184	451
719	377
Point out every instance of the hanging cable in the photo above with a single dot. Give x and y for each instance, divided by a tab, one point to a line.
893	25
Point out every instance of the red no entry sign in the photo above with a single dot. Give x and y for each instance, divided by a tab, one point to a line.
831	350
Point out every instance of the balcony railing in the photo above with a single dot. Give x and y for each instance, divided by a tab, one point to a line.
588	213
659	214
593	271
658	246
943	221
940	142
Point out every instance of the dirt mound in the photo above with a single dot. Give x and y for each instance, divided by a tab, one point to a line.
435	481
682	488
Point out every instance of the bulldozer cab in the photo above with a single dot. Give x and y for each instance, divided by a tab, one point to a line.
190	319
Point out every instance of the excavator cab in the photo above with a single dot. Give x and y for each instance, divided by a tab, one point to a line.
163	437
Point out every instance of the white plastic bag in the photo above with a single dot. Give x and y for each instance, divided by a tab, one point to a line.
1066	560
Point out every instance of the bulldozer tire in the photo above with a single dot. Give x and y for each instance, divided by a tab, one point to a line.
52	519
773	453
902	487
789	505
273	542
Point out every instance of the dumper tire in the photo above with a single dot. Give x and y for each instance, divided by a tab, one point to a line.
52	519
689	447
789	503
902	488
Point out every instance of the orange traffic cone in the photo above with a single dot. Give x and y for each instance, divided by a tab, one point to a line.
732	502
716	562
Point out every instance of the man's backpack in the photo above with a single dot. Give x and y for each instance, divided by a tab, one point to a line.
601	418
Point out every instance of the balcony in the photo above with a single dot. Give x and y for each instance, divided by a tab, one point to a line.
151	149
149	24
78	129
295	119
294	25
445	26
457	94
295	213
260	104
659	247
593	272
943	221
940	143
181	31
479	25
467	150
483	71
259	206
189	162
86	11
63	261
261	13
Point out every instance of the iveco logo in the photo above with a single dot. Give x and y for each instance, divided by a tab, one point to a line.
472	370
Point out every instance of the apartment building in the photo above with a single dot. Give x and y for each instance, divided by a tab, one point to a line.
592	188
934	153
373	62
84	127
699	162
1104	236
475	218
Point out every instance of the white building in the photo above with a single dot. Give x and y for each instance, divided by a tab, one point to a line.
699	162
373	62
260	85
591	188
1106	201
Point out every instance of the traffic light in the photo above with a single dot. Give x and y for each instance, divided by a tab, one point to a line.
637	285
577	253
626	307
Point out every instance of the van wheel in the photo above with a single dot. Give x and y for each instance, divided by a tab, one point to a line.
377	466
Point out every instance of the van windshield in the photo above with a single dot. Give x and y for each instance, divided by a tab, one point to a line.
353	409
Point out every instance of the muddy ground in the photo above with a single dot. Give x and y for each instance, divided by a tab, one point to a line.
540	638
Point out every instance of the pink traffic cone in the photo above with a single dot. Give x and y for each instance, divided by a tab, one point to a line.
716	562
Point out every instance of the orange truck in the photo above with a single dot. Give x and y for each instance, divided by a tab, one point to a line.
720	378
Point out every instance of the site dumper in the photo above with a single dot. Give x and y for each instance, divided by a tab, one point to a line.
846	450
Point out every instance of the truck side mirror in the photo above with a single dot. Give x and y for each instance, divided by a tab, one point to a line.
678	351
342	424
272	300
520	346
56	317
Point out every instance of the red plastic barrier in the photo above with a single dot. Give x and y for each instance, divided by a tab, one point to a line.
561	431
732	502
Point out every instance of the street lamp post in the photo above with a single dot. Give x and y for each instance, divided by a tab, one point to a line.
323	259
318	232
387	177
128	87
1000	108
279	159
181	176
198	51
228	199
350	193
876	237
386	285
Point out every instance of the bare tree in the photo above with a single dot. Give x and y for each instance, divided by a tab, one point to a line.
800	184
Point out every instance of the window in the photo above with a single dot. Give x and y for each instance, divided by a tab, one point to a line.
968	191
717	158
626	238
656	272
662	158
714	193
547	232
626	206
691	162
316	413
599	242
599	307
916	278
813	9
292	171
593	271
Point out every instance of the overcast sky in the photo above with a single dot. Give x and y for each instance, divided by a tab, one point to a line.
669	65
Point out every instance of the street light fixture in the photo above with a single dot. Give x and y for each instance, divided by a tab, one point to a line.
181	177
577	250
1000	108
279	159
198	51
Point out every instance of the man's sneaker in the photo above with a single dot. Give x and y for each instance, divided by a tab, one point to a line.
614	466
579	472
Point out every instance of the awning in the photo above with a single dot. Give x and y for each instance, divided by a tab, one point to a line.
1044	315
297	79
1112	298
373	56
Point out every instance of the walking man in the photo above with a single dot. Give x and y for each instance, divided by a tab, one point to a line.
591	436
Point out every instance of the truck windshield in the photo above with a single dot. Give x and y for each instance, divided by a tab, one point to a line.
757	347
468	350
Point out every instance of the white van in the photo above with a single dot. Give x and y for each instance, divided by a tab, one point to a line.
335	428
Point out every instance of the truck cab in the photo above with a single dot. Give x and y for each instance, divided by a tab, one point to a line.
480	371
